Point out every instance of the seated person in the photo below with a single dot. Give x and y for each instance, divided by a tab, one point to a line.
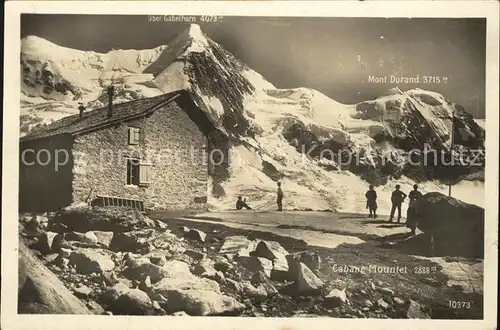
240	203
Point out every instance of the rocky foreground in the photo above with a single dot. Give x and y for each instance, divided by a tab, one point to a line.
120	262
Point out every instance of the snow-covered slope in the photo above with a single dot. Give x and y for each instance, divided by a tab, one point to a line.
298	136
480	122
55	79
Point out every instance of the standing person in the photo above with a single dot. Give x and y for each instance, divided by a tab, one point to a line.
371	202
397	199
414	194
411	217
279	197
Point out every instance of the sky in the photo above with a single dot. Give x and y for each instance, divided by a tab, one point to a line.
335	56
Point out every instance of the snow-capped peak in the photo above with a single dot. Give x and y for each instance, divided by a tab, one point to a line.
195	39
195	32
34	41
39	48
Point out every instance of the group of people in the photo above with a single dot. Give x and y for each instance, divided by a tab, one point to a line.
397	199
242	203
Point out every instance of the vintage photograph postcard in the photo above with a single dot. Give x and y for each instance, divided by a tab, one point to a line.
243	165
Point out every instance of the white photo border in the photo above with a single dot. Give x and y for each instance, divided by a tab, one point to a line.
414	9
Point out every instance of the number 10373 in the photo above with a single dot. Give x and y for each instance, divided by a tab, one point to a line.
459	304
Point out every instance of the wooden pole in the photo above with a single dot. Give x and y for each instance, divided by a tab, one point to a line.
451	144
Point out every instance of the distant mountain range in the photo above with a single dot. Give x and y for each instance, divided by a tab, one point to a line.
298	136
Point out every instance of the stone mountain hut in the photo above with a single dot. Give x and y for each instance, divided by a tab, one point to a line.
149	154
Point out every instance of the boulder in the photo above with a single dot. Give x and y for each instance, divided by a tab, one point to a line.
386	292
68	245
133	302
157	259
415	311
160	299
167	285
89	238
382	304
74	236
104	237
270	250
176	248
457	227
259	293
40	291
431	281
133	262
65	253
82	291
247	251
157	307
222	266
234	244
367	303
260	279
160	252
95	307
398	301
234	285
50	258
195	255
203	303
131	241
185	258
196	235
311	259
336	298
110	278
127	282
177	268
256	264
307	281
47	242
172	268
87	261
63	263
166	241
218	277
84	218
112	294
204	270
146	285
280	270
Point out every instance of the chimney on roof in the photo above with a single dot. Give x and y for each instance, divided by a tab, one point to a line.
81	108
111	92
